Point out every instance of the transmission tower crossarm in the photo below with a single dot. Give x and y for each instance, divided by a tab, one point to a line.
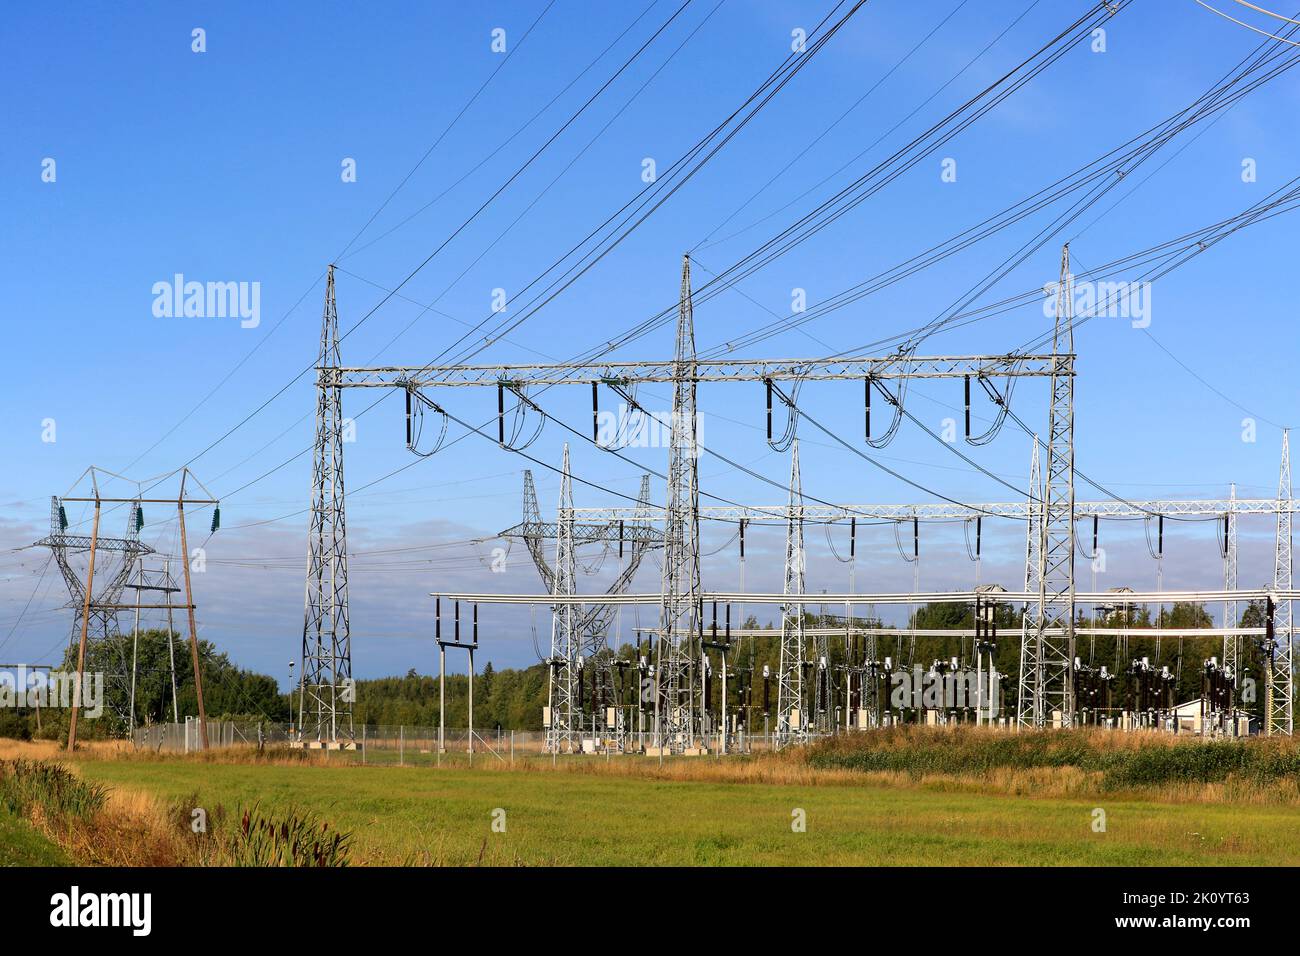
893	597
727	370
944	511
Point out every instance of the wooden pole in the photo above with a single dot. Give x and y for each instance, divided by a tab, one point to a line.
135	645
171	650
194	636
85	627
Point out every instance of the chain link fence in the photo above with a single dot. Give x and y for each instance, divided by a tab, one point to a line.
398	739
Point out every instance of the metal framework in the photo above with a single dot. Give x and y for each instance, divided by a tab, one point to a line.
1231	645
591	623
1053	672
564	716
944	511
1134	598
791	724
326	692
1280	686
103	606
1029	683
106	611
727	370
677	698
679	714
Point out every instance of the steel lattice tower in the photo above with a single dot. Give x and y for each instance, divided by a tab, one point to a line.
679	607
588	625
1279	673
564	637
1029	701
1231	642
791	722
103	626
326	694
1054	670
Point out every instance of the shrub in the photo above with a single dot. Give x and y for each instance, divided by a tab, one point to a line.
59	793
293	838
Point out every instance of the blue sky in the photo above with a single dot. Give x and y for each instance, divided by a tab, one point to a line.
226	165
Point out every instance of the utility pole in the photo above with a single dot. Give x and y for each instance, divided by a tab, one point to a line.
85	627
170	585
189	606
106	606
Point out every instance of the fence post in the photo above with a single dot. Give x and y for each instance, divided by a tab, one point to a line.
512	748
363	745
401	744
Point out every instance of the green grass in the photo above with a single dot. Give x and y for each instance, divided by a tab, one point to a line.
21	845
1144	762
418	815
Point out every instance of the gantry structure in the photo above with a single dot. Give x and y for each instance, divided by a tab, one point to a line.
678	711
1050	594
580	637
1227	511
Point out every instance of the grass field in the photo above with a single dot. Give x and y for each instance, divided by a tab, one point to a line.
590	816
22	845
908	796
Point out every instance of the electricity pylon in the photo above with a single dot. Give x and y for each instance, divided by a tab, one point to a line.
791	722
589	626
1279	663
103	627
1054	671
1029	701
677	703
564	716
326	692
1231	642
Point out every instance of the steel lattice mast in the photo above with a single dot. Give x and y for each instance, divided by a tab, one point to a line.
1231	643
104	626
1029	701
1279	665
564	638
1054	673
326	692
679	608
790	720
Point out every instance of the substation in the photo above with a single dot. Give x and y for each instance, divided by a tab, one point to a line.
686	686
688	689
689	683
